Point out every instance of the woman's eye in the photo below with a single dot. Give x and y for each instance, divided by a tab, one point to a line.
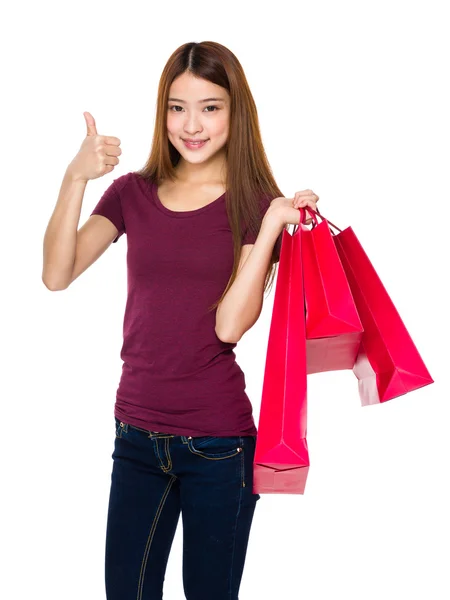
176	106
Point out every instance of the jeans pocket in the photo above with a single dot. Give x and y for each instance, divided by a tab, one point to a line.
214	447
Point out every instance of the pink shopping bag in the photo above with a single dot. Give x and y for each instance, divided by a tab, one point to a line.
333	326
388	364
281	460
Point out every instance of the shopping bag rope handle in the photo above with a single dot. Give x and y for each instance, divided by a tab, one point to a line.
314	217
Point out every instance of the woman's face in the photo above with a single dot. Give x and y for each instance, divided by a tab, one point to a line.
191	114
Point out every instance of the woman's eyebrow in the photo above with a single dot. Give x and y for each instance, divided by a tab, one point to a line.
205	100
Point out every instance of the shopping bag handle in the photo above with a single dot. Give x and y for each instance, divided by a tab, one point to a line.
303	218
314	217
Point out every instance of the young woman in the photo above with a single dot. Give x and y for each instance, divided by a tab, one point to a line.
204	220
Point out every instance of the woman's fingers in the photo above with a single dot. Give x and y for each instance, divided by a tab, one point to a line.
305	193
305	198
303	203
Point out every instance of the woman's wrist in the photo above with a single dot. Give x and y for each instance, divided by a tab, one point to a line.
273	221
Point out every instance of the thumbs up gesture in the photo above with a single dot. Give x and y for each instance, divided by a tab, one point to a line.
98	154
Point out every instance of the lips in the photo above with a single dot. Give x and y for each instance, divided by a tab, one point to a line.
198	145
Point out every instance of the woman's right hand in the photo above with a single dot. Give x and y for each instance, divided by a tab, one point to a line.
97	155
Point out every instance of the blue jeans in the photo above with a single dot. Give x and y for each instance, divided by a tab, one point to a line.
155	476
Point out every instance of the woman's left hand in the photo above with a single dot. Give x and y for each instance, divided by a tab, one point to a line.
306	198
288	208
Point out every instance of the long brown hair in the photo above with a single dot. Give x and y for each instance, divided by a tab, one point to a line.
249	175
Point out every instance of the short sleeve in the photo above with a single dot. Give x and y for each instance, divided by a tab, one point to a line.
250	238
110	206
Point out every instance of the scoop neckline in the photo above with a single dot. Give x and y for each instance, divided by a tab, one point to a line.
182	213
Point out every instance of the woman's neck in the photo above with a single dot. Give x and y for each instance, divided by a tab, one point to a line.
193	174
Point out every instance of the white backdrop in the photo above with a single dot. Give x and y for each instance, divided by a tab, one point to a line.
353	102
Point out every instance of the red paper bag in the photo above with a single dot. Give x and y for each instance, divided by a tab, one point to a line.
388	363
281	460
333	327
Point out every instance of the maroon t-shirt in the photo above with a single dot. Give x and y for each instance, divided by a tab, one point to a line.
177	375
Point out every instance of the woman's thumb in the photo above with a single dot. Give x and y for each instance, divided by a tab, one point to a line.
90	124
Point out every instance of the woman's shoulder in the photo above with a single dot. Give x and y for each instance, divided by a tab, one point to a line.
130	179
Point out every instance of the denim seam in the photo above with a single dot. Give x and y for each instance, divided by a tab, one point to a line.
161	464
169	466
242	464
234	541
210	457
150	537
147	431
204	443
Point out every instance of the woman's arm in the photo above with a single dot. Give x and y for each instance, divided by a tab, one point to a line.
60	239
242	304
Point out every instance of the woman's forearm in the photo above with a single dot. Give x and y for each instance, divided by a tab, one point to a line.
242	304
60	239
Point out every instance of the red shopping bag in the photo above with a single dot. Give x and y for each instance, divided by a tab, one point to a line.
388	364
333	327
281	461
